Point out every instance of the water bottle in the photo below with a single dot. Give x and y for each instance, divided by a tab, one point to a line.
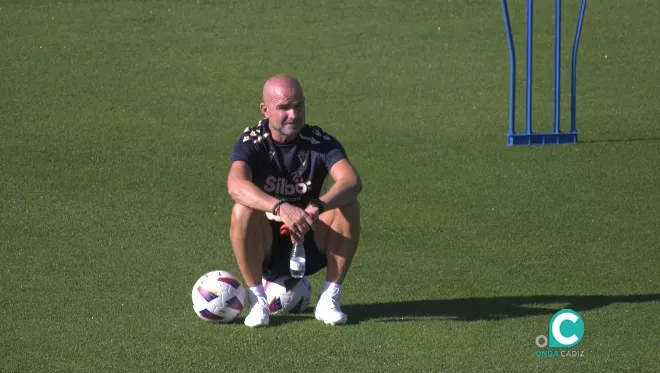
297	260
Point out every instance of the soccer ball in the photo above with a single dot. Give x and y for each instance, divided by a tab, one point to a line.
287	294
218	297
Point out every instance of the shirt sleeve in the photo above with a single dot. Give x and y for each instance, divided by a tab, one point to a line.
244	150
333	151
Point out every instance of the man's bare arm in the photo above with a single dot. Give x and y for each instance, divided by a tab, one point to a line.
347	185
243	191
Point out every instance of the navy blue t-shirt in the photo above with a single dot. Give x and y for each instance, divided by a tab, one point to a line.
293	171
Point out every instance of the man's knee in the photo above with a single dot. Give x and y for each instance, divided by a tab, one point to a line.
250	224
348	214
351	211
241	214
247	219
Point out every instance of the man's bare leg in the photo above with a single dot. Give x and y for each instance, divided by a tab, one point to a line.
251	238
338	236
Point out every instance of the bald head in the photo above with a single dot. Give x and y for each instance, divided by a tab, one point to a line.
281	85
284	106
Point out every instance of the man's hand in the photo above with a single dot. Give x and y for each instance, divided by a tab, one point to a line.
298	221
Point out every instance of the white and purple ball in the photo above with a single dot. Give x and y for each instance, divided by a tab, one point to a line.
287	294
218	297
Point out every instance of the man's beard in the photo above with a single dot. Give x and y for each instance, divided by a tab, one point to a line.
290	129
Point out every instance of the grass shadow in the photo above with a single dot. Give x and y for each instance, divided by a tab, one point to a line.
495	308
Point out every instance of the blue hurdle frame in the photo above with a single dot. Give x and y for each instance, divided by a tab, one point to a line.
556	136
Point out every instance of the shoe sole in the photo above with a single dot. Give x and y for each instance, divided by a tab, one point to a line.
336	323
340	322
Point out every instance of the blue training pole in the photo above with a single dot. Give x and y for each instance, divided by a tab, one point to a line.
512	69
576	42
528	102
557	63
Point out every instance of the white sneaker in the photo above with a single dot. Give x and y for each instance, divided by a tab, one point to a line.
328	310
259	315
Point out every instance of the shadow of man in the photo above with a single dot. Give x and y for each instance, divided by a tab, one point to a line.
495	308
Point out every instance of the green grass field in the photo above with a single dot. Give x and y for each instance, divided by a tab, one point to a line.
116	125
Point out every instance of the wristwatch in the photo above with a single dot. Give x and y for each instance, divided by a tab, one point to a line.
318	204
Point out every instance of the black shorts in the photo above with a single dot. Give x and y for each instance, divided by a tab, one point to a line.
278	262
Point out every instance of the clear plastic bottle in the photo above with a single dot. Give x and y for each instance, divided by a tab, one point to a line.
297	260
